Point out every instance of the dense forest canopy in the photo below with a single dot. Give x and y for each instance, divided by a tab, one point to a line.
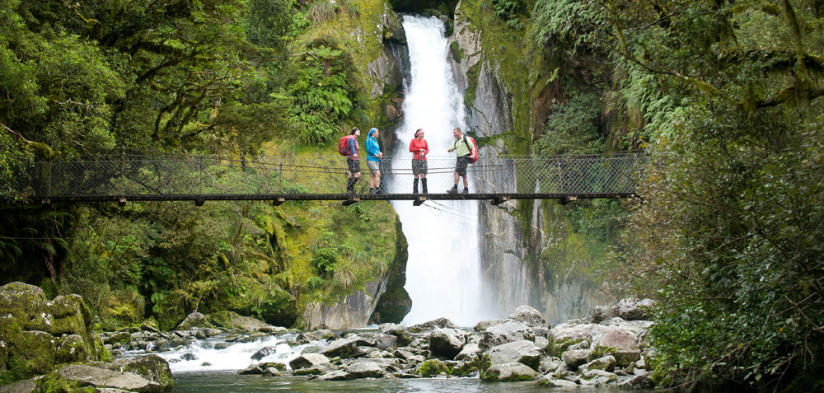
726	96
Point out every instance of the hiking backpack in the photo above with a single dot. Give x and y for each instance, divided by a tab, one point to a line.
473	149
343	145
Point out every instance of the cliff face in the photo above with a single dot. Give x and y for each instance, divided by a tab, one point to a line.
373	35
532	254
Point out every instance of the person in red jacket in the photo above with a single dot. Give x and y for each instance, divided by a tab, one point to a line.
419	146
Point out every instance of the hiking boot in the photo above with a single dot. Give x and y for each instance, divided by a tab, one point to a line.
453	190
465	191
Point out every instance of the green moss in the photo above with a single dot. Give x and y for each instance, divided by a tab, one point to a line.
38	350
395	303
53	383
431	368
308	371
471	84
464	369
457	51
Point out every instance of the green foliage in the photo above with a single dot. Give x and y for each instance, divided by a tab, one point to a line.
729	231
325	260
570	26
324	95
507	11
573	127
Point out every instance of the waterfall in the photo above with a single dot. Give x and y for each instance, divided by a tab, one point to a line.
443	276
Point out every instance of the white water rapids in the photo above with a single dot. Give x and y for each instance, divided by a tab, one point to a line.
443	274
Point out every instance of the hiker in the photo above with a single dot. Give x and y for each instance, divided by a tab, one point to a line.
419	146
462	151
353	159
373	160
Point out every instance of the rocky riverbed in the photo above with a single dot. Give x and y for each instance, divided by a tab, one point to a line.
49	345
609	348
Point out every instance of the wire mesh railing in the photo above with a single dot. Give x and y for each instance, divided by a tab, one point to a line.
176	176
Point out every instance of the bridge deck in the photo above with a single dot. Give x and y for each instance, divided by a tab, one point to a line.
198	179
279	198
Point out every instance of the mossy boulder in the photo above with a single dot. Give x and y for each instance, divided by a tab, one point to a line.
38	334
70	315
72	348
235	321
431	368
4	356
37	349
194	320
151	367
23	301
510	372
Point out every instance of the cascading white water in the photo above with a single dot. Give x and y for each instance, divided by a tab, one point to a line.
443	275
207	355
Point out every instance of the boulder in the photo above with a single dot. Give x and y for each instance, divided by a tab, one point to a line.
314	370
342	347
365	369
446	342
71	348
433	324
621	344
606	363
336	375
264	352
194	320
70	315
37	350
528	315
504	333
509	372
567	333
385	341
403	336
632	309
521	351
550	364
637	382
597	377
308	360
550	381
24	386
575	357
104	378
431	368
469	352
151	367
23	301
601	313
483	325
235	321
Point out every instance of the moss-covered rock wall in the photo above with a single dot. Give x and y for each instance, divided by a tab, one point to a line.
551	256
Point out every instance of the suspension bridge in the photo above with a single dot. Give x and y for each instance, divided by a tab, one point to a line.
279	179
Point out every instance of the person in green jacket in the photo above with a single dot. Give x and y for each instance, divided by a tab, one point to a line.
462	151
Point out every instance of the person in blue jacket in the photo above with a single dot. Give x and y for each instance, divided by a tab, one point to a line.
373	160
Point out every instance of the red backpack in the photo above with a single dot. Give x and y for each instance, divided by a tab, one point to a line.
473	149
343	145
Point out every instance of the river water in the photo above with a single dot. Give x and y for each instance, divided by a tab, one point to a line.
217	382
